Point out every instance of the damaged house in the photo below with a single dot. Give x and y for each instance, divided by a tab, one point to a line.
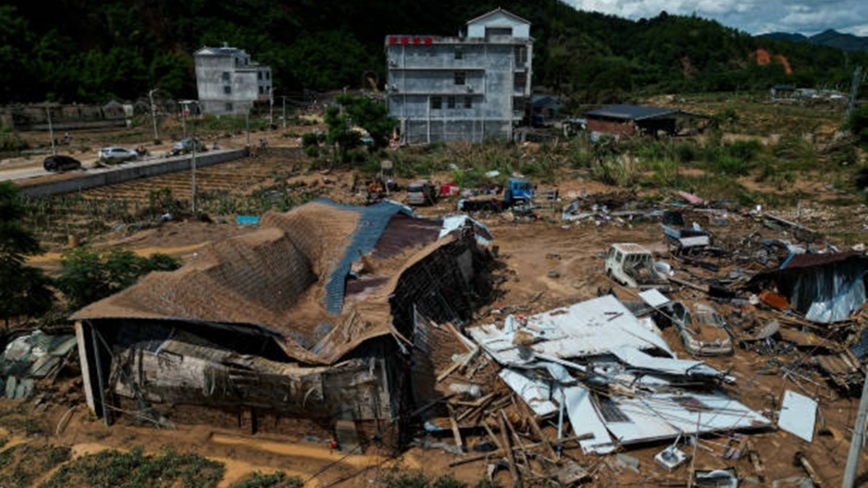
309	317
825	288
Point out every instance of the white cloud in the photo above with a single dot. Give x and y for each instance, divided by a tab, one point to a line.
753	16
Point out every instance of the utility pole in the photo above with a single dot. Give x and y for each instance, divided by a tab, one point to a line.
154	114
857	440
270	106
192	158
854	91
51	131
247	124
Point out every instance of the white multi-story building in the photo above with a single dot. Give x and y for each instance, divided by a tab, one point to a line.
466	88
228	81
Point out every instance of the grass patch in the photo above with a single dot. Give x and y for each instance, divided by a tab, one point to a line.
275	480
22	464
135	469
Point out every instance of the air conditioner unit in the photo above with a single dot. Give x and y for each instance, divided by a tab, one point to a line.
393	63
470	88
393	88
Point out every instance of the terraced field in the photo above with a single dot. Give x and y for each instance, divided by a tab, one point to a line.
244	186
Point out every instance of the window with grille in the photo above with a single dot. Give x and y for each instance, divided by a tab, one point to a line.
460	77
520	55
225	76
519	80
436	102
227	90
450	102
468	102
459	52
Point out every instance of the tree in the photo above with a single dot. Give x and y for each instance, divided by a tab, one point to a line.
354	113
24	291
88	275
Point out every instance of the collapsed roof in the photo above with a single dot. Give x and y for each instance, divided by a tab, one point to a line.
317	278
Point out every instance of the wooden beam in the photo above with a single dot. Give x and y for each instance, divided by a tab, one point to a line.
534	426
510	459
455	431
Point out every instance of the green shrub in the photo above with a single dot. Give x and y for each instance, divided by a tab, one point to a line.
274	480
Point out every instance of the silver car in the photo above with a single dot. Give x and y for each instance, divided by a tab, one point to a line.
117	155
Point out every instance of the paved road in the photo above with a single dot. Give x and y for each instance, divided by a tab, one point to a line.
36	169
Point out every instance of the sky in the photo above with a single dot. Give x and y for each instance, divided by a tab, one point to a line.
807	17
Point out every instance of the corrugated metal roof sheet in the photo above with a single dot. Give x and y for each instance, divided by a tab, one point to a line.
807	260
266	278
589	328
630	112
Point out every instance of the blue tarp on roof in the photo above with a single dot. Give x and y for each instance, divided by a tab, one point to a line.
630	112
372	223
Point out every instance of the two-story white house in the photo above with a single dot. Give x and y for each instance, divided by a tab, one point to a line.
229	82
467	88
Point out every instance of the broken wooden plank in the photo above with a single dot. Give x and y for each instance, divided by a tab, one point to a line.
510	458
528	416
806	463
455	431
442	376
703	289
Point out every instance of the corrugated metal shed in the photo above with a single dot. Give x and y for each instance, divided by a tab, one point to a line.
631	112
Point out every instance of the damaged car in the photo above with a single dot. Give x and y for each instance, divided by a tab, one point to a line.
702	330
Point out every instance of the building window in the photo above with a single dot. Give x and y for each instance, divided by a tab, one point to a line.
519	80
468	102
459	52
268	75
225	76
261	90
259	75
436	102
227	90
460	77
498	31
450	101
518	104
520	55
229	107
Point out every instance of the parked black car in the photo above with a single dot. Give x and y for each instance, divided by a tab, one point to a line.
61	163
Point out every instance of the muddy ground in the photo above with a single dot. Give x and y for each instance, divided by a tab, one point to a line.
548	264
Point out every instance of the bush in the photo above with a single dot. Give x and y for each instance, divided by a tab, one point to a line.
274	480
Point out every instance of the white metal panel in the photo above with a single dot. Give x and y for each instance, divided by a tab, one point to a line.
536	394
654	298
798	415
585	420
684	367
591	328
707	412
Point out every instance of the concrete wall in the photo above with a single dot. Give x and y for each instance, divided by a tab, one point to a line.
123	173
245	82
496	20
485	105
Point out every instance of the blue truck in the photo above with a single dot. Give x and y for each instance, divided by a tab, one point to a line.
516	193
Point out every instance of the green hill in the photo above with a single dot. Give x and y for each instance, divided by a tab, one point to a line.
93	50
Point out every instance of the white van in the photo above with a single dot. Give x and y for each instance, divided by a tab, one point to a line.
632	265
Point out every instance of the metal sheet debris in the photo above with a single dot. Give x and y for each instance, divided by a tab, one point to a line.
654	298
798	415
537	394
589	328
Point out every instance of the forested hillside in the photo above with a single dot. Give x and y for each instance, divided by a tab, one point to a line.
93	50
